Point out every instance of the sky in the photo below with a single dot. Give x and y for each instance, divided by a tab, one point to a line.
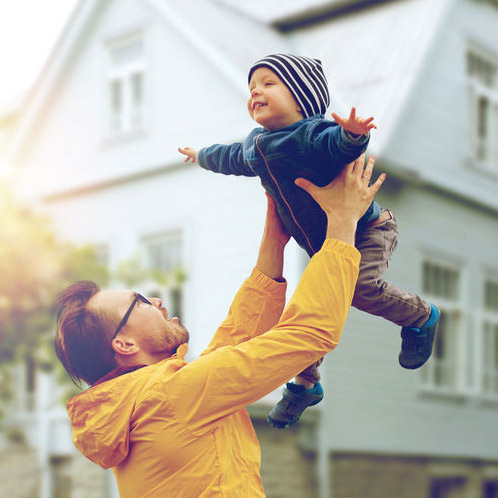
29	30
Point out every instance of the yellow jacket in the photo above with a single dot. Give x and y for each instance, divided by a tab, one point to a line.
178	429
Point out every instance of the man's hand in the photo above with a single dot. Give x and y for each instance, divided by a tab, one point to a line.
275	238
190	153
354	124
346	198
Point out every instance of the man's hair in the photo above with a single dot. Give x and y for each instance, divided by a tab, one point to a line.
83	338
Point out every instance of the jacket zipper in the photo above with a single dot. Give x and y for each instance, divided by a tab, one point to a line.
282	195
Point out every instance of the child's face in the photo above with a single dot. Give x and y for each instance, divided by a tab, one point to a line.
271	103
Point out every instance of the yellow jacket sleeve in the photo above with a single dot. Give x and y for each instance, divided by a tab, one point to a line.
232	377
256	308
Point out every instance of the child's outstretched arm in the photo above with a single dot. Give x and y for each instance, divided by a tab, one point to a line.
189	152
355	124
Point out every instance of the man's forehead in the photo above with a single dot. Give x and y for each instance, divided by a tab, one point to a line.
111	298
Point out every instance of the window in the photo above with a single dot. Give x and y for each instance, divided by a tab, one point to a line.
441	285
30	383
25	385
125	93
164	255
489	381
482	71
61	477
448	487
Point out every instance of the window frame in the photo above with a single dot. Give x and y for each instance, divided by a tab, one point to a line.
462	366
170	291
487	316
124	74
477	90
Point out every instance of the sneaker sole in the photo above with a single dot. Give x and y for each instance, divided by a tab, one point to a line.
283	425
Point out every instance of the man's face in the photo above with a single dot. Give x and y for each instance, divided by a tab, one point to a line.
271	103
150	325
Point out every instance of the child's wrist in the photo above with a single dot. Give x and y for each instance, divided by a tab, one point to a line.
354	136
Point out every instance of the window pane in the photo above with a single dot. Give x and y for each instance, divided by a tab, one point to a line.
451	487
30	385
116	94
127	52
444	356
125	74
491	295
440	281
137	89
176	302
61	477
490	358
164	252
443	282
137	95
483	118
483	111
116	104
490	489
482	69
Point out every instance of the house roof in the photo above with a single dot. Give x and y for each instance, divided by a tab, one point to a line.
276	12
373	57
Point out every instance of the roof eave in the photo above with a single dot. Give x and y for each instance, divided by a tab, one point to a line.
322	13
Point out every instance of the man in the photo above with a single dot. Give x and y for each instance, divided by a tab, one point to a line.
171	428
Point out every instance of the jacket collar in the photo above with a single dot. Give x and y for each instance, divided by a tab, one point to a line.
180	353
117	372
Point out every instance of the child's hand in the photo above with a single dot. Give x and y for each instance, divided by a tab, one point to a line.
190	153
354	124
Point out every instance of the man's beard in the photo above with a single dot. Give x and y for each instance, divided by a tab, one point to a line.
169	341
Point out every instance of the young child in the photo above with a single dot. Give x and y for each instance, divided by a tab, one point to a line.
288	98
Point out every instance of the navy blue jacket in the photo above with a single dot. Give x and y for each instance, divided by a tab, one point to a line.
313	148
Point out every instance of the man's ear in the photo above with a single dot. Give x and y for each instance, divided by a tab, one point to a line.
125	346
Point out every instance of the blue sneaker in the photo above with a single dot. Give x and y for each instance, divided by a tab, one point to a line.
295	400
416	344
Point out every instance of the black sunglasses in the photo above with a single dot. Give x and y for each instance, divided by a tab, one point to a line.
138	297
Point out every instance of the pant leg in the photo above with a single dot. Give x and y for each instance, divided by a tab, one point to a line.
311	374
373	294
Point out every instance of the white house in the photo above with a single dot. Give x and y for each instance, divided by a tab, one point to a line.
95	145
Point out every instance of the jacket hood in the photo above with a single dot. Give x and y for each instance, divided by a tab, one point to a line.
101	417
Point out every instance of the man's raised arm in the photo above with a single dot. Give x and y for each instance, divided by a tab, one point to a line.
311	325
259	302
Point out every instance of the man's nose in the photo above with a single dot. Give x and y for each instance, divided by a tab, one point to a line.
156	301
255	91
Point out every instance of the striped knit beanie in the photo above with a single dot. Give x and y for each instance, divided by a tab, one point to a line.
304	78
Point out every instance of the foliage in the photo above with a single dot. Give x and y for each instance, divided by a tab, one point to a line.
131	273
35	267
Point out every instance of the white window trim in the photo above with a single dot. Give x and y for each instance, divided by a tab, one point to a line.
461	388
109	73
165	290
476	89
482	317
